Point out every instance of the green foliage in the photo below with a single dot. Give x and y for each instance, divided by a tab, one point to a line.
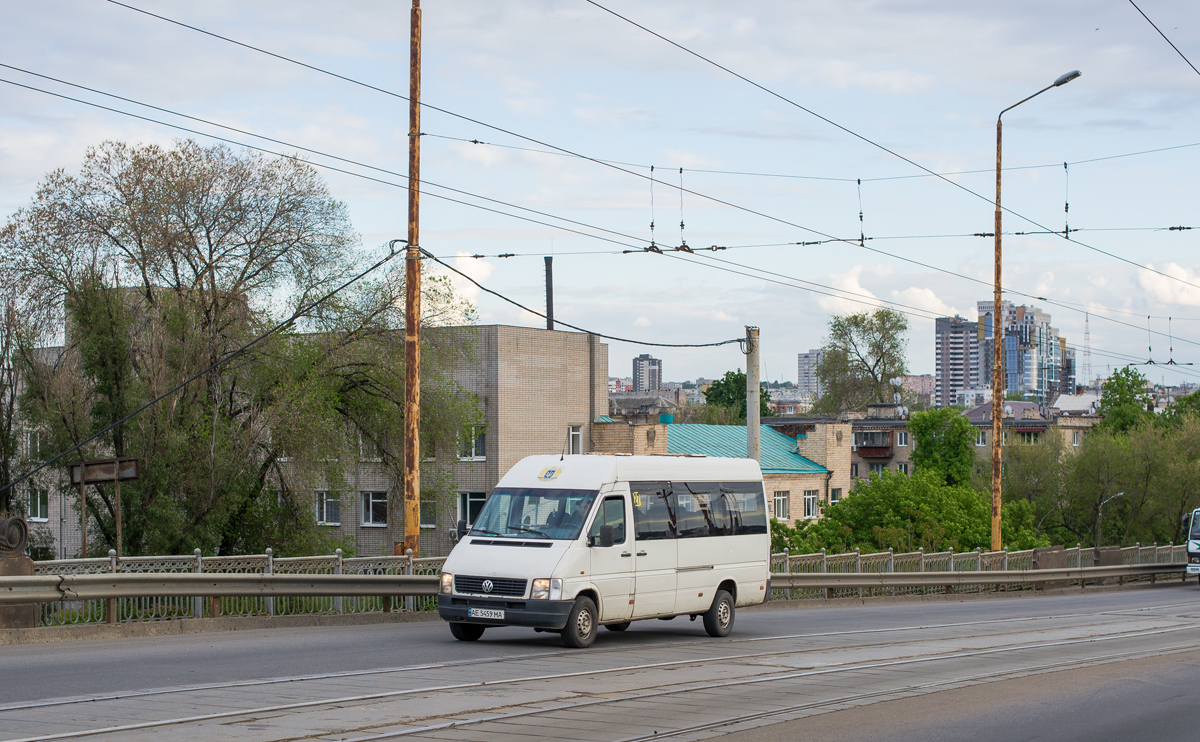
944	444
729	391
1014	396
158	262
899	512
1019	527
1124	399
861	356
1183	408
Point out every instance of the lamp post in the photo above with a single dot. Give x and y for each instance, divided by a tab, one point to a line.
997	374
1100	515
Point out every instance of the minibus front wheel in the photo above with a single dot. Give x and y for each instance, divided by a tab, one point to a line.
580	631
466	632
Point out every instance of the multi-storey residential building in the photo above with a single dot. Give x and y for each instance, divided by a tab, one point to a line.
807	380
956	358
647	373
1032	351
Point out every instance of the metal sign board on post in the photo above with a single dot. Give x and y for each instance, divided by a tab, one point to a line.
102	471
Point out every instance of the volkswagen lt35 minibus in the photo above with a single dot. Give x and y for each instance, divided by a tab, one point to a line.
571	543
1193	543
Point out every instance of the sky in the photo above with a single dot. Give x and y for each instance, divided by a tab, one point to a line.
852	88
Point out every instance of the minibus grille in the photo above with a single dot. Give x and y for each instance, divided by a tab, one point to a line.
501	586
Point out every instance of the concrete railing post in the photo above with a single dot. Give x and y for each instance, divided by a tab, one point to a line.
1004	559
337	570
110	605
824	565
787	567
198	603
269	568
858	566
950	550
891	567
408	570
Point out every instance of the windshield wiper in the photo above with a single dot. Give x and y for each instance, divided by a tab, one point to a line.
526	529
485	532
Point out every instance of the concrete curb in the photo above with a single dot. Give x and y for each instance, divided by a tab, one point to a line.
82	632
962	597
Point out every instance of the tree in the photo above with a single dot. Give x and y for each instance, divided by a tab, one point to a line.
153	263
900	512
1123	400
861	356
730	391
944	443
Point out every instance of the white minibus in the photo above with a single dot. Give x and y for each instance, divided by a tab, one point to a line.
1192	526
572	543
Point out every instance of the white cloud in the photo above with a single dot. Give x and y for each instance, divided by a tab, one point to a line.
924	298
642	322
862	299
1172	291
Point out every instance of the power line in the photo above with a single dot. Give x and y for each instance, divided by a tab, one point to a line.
794	176
858	243
1160	33
630	172
873	143
221	361
517	304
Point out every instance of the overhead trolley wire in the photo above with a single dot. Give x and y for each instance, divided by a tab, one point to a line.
622	169
630	248
873	143
558	321
1160	33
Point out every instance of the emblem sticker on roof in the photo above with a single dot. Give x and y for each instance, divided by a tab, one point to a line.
550	473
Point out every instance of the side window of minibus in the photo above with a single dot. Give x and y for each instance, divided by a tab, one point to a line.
653	511
612	513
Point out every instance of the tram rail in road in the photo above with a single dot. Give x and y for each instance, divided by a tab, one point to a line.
679	684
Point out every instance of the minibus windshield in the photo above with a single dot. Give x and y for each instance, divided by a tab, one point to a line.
534	513
1195	535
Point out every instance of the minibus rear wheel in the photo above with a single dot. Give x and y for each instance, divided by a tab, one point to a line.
580	631
466	632
718	620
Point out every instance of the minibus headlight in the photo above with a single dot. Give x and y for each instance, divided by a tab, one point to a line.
547	589
447	583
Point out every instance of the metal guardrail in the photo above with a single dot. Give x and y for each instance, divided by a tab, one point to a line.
52	588
999	577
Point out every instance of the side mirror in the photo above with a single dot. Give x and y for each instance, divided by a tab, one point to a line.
462	528
606	536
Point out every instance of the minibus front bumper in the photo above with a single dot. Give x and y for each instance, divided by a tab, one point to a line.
1193	565
538	614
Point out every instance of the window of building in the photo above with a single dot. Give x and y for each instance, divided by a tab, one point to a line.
780	511
980	438
902	438
368	449
1030	436
1075	437
810	503
878	468
472	444
374	508
33	445
873	438
329	510
902	467
39	504
575	439
469	505
835	495
854	469
429	512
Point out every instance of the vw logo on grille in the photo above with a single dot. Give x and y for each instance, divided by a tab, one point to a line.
487	586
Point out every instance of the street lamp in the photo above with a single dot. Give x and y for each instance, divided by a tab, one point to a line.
997	375
1100	516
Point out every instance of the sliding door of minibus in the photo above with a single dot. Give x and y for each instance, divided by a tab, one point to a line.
655	560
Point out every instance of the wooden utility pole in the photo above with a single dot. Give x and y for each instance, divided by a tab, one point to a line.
753	392
412	301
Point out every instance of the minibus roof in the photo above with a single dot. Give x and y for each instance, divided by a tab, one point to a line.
590	471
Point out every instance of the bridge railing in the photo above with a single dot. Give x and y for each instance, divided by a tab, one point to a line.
137	589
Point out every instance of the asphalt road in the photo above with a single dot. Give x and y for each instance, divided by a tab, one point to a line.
901	663
93	667
1144	699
